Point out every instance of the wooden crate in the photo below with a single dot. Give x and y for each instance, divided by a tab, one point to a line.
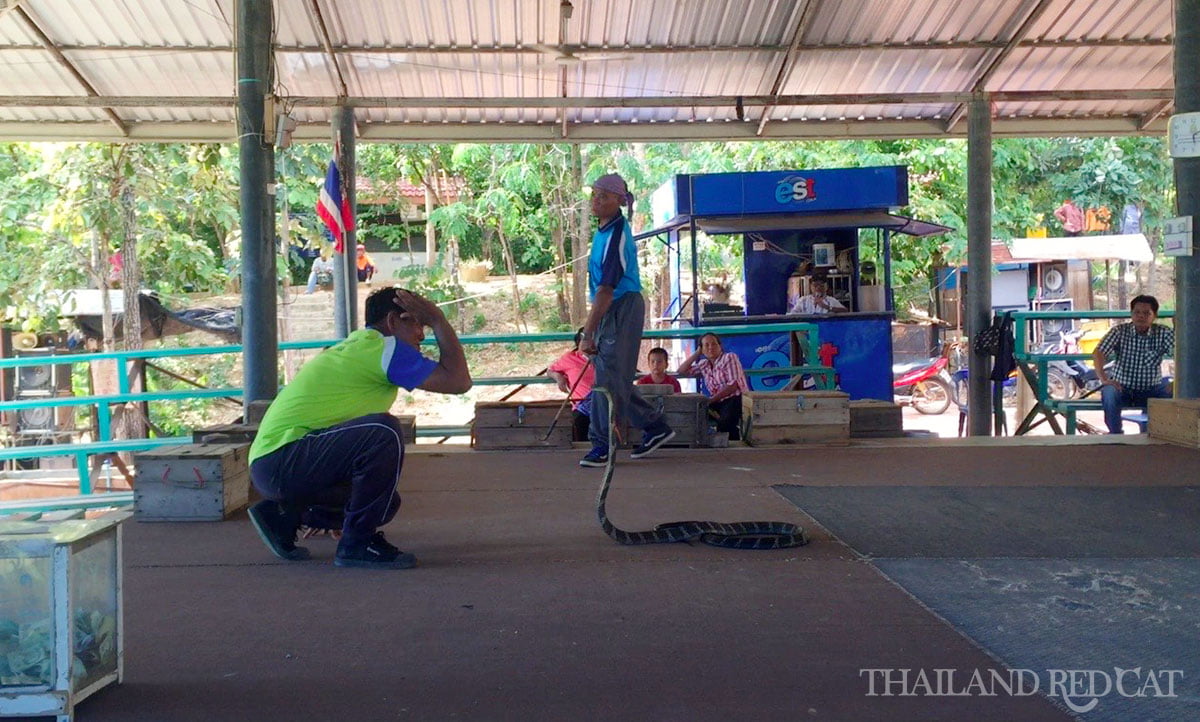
520	425
795	417
408	427
1175	420
687	414
193	482
225	434
871	418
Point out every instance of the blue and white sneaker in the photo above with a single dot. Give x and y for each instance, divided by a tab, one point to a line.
597	457
650	442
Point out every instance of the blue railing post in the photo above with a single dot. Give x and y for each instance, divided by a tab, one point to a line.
85	479
104	422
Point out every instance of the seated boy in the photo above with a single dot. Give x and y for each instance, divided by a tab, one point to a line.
657	358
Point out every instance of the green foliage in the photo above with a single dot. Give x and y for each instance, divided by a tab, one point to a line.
438	286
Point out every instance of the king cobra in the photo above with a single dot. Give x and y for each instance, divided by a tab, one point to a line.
733	535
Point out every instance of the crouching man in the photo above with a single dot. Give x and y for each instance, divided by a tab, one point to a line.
328	440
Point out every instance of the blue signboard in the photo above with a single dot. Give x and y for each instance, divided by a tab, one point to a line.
860	351
772	192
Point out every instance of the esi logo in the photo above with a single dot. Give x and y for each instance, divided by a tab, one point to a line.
795	188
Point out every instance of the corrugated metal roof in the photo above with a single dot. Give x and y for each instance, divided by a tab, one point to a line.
621	69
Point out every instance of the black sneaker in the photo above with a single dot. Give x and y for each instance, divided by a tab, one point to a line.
376	553
597	457
277	528
652	442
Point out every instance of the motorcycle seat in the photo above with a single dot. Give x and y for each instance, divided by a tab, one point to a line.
902	368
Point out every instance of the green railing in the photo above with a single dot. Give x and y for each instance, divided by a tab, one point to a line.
1035	365
104	444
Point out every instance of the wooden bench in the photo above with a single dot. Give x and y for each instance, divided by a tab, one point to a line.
1071	407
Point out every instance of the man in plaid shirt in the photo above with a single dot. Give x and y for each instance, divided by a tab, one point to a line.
1139	348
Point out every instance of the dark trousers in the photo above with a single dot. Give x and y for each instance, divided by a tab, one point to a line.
1113	401
580	422
617	341
355	464
729	416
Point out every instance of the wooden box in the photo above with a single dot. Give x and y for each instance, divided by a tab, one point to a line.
408	427
795	417
225	434
687	414
871	418
1175	420
194	482
520	425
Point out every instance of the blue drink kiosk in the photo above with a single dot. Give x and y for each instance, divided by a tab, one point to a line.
795	226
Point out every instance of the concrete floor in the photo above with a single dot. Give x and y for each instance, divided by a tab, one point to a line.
522	609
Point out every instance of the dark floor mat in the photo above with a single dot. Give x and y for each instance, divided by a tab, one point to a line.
956	522
1095	615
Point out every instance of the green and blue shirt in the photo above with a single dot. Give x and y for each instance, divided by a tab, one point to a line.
358	376
613	261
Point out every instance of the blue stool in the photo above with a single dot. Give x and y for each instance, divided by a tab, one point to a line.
1139	417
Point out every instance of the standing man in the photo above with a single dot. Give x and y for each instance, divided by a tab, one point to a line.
613	331
1071	217
1139	348
328	439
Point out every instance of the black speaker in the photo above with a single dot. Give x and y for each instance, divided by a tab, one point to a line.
38	420
1053	280
1050	330
44	379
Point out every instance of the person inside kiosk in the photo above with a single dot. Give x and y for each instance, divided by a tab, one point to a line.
818	301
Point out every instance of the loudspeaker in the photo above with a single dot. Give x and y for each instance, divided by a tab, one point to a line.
43	379
1052	282
1050	330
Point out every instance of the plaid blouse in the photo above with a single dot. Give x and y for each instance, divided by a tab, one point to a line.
1138	357
727	369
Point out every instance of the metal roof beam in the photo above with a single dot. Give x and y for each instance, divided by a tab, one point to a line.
927	45
323	32
7	6
789	60
550	132
1154	114
671	101
999	57
50	47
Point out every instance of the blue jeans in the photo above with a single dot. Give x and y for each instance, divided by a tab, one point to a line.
618	339
1114	401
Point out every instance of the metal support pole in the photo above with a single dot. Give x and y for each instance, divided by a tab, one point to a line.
979	258
889	301
260	337
1187	194
345	307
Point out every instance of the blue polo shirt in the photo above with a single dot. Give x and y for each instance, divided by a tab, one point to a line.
614	261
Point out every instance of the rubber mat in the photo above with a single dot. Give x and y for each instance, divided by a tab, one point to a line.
1082	622
960	522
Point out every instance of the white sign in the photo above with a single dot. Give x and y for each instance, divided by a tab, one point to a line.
1184	134
1177	236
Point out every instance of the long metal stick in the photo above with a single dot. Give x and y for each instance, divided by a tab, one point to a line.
570	394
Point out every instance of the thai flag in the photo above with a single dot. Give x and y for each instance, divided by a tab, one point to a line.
333	209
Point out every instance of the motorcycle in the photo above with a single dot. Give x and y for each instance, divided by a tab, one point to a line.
1071	378
924	385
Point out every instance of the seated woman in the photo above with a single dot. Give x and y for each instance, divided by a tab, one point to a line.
725	380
